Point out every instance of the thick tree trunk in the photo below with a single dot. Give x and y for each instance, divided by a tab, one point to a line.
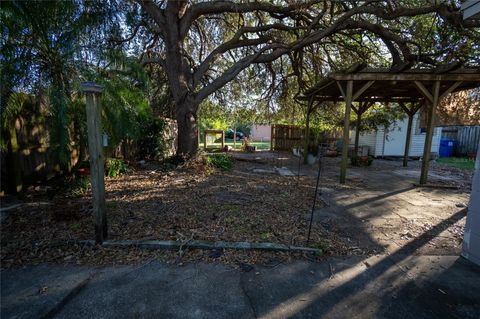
186	113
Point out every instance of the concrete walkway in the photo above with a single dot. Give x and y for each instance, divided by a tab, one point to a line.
394	286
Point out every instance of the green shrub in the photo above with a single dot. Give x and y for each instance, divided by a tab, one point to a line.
221	161
115	167
151	144
75	227
167	167
75	186
361	160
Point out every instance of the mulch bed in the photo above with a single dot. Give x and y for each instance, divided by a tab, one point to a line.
188	203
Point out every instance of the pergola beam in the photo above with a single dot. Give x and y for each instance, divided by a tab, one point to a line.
362	89
424	90
472	75
449	90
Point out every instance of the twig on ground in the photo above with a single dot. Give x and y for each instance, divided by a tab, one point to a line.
332	274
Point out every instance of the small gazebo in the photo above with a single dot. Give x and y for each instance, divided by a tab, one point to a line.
411	89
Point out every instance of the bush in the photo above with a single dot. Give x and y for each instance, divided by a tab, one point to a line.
221	161
361	160
151	144
75	186
115	167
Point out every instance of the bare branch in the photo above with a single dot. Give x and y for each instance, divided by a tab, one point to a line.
216	7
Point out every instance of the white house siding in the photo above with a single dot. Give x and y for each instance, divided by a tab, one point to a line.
393	143
368	138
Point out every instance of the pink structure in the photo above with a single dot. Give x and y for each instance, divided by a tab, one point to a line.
261	133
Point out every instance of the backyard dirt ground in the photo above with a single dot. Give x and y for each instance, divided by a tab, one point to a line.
377	211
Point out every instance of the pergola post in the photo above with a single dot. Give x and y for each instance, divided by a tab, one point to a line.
93	92
234	137
430	130
272	130
205	140
307	130
411	113
357	131
346	132
407	142
362	108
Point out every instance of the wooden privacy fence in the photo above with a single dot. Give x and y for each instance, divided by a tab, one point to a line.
285	137
467	137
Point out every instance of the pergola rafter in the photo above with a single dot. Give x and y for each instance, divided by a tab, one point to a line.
416	87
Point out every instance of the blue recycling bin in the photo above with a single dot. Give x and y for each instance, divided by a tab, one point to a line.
447	146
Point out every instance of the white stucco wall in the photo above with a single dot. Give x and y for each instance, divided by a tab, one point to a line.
261	132
471	240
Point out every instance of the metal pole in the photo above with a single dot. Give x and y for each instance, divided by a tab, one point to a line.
314	198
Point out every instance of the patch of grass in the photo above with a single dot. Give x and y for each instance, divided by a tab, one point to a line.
324	246
115	167
458	162
361	160
167	167
238	145
111	205
76	186
265	236
75	227
229	207
221	161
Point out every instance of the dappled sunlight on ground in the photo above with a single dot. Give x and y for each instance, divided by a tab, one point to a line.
377	211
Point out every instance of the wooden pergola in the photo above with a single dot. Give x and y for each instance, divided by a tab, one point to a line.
411	89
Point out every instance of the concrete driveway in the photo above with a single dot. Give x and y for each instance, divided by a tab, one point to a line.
386	286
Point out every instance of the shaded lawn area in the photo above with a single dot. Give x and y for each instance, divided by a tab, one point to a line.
185	204
238	144
458	162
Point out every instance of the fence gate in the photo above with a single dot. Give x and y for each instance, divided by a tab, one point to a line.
286	137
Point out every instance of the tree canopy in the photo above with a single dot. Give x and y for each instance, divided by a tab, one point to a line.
252	57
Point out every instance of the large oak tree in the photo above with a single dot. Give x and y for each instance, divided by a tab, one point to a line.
203	45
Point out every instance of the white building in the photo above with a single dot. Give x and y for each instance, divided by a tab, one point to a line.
261	133
391	142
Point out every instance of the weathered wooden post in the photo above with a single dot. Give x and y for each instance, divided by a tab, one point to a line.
205	140
92	92
346	132
411	113
272	130
406	152
430	130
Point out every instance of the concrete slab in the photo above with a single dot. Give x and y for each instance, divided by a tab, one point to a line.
384	286
162	291
284	171
36	291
